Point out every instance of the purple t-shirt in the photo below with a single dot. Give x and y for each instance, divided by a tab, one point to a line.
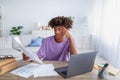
51	50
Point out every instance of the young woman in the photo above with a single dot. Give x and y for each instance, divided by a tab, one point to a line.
60	46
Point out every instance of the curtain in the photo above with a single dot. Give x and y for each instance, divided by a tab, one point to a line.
105	30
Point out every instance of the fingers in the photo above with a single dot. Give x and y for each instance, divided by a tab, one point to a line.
25	57
65	32
64	29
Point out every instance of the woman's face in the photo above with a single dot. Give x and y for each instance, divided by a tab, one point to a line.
59	32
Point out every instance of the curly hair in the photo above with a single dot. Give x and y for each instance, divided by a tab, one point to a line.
61	21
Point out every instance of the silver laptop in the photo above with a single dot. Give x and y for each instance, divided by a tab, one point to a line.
78	64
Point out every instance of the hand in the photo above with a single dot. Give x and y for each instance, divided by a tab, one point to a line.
25	57
66	33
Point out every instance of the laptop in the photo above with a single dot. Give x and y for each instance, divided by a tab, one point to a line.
78	64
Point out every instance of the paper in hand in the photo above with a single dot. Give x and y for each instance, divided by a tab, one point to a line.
31	55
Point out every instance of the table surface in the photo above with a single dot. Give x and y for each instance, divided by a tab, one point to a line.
87	76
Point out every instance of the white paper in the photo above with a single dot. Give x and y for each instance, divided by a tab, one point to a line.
25	71
45	70
31	55
36	70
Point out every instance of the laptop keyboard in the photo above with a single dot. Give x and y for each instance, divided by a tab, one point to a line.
64	72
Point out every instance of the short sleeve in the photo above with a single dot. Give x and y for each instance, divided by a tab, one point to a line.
42	50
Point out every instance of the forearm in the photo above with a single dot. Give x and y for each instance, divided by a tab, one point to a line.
73	49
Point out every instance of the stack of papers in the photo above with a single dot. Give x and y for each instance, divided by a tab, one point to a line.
36	70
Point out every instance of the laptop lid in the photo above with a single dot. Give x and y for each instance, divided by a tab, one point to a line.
81	63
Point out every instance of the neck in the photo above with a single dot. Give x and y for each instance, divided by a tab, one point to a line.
59	40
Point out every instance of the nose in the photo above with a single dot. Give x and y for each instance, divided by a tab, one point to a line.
56	31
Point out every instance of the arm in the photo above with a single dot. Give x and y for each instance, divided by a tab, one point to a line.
73	49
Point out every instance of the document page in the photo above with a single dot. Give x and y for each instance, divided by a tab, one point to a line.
45	70
31	55
36	70
25	71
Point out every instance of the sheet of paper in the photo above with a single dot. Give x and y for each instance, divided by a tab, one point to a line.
36	70
25	71
45	70
31	55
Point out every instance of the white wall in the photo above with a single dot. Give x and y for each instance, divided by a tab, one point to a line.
28	12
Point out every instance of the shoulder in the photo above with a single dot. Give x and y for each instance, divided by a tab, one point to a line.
48	38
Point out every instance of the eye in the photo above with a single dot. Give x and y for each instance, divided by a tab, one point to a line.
57	29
